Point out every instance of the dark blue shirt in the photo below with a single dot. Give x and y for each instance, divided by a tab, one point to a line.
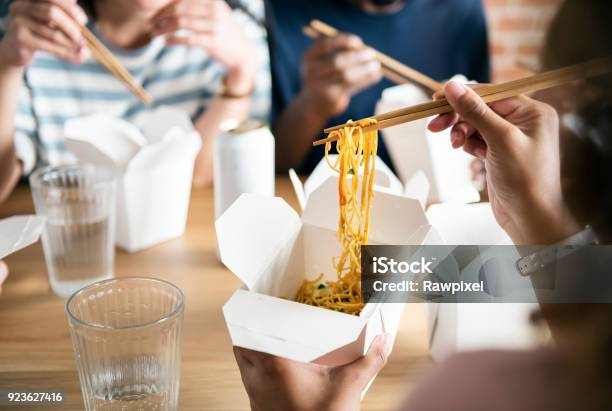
440	38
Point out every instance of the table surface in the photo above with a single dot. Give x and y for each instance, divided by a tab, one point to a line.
35	347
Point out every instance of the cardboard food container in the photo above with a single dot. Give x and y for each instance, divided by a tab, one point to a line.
266	244
455	327
415	149
154	164
384	180
19	232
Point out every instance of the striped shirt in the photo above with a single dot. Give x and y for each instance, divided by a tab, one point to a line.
54	91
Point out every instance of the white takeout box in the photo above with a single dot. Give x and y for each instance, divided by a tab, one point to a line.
455	327
154	166
415	149
18	232
384	180
264	242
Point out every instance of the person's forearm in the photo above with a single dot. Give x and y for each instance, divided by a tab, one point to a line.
295	130
208	125
10	167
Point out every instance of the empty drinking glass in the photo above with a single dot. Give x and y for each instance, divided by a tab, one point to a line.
126	334
79	205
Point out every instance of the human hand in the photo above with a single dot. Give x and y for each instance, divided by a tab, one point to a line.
212	27
518	139
274	383
53	26
334	70
3	273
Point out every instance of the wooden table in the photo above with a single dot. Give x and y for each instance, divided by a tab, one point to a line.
35	347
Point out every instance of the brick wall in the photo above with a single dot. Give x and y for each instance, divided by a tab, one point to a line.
516	31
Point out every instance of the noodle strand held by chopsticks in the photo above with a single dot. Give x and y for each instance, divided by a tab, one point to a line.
356	151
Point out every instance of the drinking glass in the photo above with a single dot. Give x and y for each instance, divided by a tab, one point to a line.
126	334
78	240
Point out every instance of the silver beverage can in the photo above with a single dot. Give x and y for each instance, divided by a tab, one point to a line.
243	162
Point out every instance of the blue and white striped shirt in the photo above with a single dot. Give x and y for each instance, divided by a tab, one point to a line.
185	77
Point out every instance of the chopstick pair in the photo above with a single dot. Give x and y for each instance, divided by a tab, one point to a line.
392	69
489	94
106	58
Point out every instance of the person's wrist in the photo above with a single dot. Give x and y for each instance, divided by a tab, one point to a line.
7	65
547	222
10	70
240	79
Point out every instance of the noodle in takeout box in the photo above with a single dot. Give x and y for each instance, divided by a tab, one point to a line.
265	243
154	160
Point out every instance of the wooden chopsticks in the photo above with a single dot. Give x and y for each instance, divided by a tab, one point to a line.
392	69
106	58
489	94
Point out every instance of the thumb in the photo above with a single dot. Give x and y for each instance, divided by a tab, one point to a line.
360	372
476	112
3	272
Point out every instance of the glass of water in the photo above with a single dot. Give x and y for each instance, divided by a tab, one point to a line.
79	205
126	334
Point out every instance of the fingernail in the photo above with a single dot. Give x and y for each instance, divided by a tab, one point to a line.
81	17
454	90
85	53
369	53
455	136
374	66
355	41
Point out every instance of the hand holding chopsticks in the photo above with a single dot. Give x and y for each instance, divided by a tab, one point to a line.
43	26
69	24
490	94
392	69
106	58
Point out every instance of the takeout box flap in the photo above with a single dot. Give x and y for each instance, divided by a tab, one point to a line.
171	138
156	124
167	137
383	178
86	152
252	232
177	146
322	205
103	139
418	187
299	332
396	220
298	187
19	232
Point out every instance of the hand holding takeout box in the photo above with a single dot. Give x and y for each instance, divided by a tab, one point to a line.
271	249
